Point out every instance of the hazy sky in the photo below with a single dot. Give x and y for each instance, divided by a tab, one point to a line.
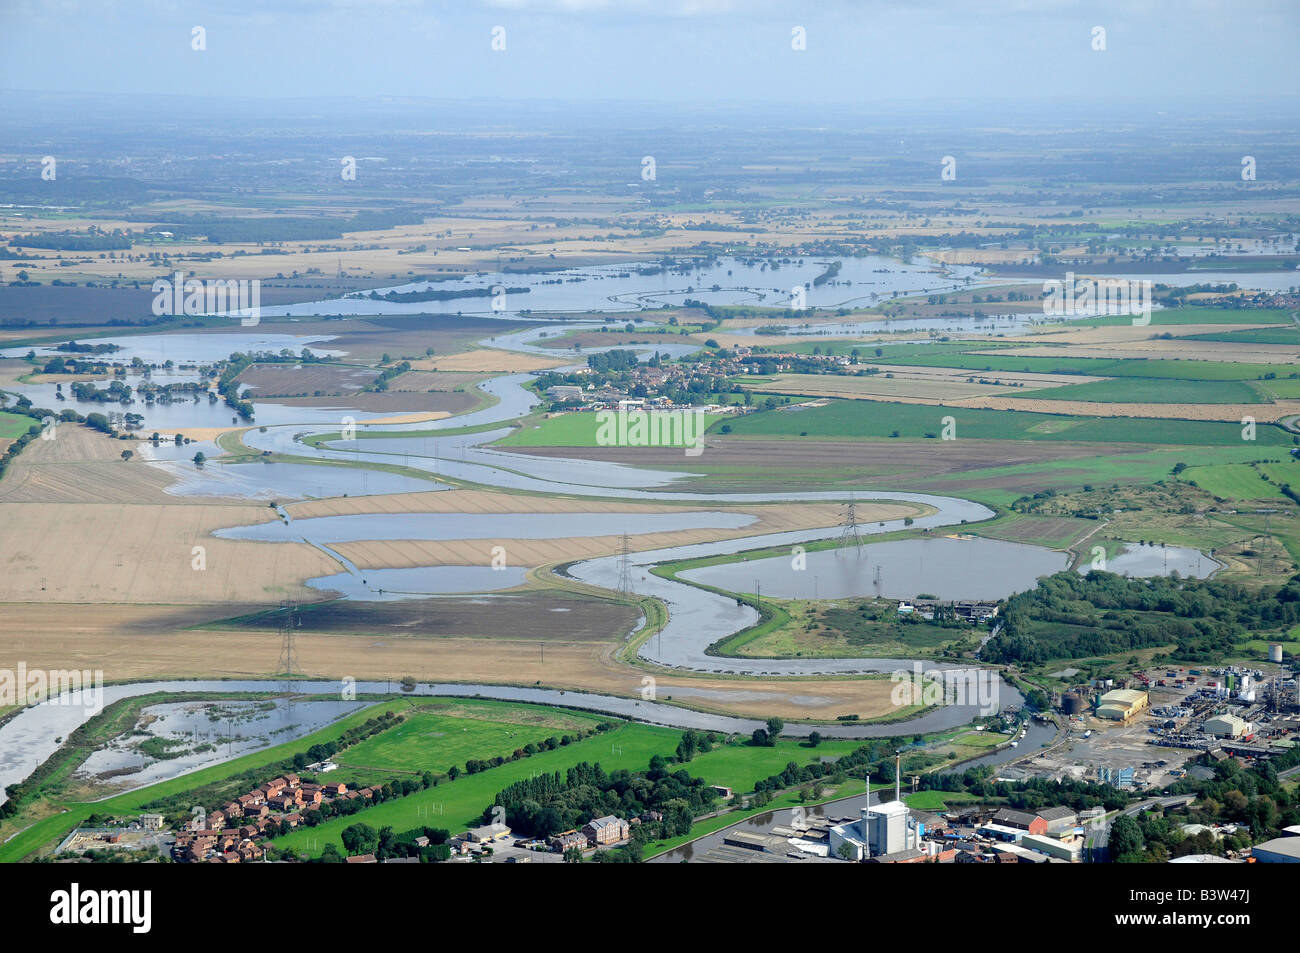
860	51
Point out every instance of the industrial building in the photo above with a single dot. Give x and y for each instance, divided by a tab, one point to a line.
1060	849
1280	850
1201	859
1122	704
885	832
1020	820
1059	819
1227	726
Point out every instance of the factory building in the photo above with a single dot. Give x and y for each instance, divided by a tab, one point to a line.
1059	819
1061	850
1280	850
1227	726
884	832
1122	704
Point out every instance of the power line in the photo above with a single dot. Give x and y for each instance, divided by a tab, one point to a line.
625	567
850	533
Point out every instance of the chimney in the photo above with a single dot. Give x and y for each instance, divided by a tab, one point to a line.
866	824
898	775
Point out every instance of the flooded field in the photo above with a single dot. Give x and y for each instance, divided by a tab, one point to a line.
353	528
281	481
1139	560
377	585
631	287
172	739
183	347
945	568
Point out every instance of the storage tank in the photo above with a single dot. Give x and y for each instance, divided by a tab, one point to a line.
1246	691
1072	703
1275	652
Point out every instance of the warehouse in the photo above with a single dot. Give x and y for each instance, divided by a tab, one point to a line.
1122	704
1280	850
1059	819
1226	726
1061	850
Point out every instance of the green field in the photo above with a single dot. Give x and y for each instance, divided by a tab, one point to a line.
14	425
428	741
740	766
872	419
1288	389
1145	390
1278	335
1233	482
1283	473
458	805
581	430
934	801
1197	315
977	358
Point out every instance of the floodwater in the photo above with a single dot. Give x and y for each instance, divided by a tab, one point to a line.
33	735
281	481
614	288
187	347
362	526
697	617
187	411
385	585
207	733
1141	561
969	568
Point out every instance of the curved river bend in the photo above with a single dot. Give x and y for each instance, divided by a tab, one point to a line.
697	618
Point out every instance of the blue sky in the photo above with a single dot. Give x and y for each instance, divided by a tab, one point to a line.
685	51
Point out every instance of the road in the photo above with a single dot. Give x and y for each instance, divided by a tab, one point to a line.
1097	840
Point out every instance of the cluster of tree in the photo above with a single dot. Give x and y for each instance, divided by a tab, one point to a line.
550	803
74	241
1033	794
381	382
766	737
1072	616
24	439
831	272
384	844
117	392
441	294
615	361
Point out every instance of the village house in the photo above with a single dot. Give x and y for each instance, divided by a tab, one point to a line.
605	830
568	839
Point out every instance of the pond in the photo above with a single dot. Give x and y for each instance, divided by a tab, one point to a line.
1152	560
